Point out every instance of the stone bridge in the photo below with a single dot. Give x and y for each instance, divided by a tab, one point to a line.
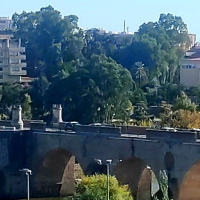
52	153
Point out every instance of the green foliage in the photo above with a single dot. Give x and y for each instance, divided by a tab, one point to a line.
184	102
26	108
108	44
37	92
141	114
94	75
164	187
138	96
98	90
16	94
157	45
186	119
164	184
169	92
140	73
166	114
95	188
49	39
12	94
182	115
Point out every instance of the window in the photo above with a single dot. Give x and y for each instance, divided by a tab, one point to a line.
184	66
1	60
15	69
190	66
1	69
1	76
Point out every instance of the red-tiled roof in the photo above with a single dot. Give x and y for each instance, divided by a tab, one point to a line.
26	79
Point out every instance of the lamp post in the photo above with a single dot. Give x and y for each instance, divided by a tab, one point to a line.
28	172
108	163
98	110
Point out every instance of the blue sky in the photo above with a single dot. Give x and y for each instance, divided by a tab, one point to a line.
110	14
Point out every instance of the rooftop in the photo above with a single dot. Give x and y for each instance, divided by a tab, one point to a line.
193	53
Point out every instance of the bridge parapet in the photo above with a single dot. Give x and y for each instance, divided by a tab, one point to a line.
38	125
184	136
110	130
137	130
87	129
98	129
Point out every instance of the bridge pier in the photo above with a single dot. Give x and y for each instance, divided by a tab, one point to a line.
68	179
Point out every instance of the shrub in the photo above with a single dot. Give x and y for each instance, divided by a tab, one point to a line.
95	188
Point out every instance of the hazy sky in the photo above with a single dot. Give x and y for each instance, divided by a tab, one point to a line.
110	14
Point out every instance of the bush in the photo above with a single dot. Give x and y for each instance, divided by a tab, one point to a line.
95	188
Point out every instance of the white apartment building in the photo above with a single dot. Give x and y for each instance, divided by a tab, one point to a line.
5	23
12	58
190	67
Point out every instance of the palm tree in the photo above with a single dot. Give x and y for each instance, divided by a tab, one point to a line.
140	72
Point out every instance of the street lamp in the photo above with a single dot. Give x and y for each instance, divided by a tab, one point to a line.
28	172
108	163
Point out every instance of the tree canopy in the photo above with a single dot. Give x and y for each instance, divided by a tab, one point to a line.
96	76
97	91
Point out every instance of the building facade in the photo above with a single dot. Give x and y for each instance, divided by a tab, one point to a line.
12	57
190	67
5	23
193	38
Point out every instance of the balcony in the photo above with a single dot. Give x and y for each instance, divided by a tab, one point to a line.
18	49
18	57
18	65
17	71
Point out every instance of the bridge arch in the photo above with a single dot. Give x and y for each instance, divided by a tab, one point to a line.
189	188
140	178
55	175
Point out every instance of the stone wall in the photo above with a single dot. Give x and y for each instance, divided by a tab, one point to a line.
33	150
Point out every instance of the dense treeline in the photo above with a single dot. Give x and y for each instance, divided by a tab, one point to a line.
96	77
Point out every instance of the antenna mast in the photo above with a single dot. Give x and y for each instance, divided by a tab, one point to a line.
124	26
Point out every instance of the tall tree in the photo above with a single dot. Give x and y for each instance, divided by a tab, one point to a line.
99	90
45	34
